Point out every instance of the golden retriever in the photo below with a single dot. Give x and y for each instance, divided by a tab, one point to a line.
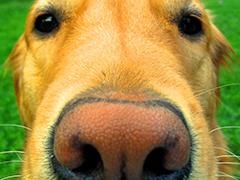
120	89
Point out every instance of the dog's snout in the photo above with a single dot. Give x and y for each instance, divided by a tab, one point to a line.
122	140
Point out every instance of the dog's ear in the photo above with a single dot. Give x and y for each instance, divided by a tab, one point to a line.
15	63
221	50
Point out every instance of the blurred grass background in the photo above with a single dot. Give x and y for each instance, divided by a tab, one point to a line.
12	21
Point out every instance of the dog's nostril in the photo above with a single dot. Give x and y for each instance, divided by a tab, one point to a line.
154	163
76	158
169	161
91	161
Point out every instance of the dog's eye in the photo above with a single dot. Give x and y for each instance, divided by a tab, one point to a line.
190	25
46	23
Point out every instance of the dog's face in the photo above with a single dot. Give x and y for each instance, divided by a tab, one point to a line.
119	89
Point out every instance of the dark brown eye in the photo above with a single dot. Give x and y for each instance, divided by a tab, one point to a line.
190	25
46	23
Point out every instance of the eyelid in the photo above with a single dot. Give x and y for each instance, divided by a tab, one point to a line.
189	11
194	12
51	9
199	17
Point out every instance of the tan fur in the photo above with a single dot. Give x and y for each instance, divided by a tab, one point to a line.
119	46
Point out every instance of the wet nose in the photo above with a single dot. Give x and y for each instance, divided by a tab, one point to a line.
109	139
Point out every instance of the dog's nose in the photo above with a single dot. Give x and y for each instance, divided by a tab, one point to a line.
122	140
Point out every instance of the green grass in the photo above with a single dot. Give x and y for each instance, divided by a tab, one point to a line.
228	19
12	18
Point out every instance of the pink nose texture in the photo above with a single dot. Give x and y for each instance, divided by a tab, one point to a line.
109	140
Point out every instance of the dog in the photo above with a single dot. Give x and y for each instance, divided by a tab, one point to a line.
120	89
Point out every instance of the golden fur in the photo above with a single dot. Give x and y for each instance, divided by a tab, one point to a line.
120	46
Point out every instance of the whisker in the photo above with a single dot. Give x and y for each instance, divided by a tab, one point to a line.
228	151
18	153
229	163
222	156
224	127
19	157
218	87
11	152
16	125
222	174
11	177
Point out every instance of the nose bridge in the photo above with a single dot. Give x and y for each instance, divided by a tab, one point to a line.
110	45
114	27
113	45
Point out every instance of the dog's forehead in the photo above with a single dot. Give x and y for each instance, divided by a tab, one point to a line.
170	5
77	1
